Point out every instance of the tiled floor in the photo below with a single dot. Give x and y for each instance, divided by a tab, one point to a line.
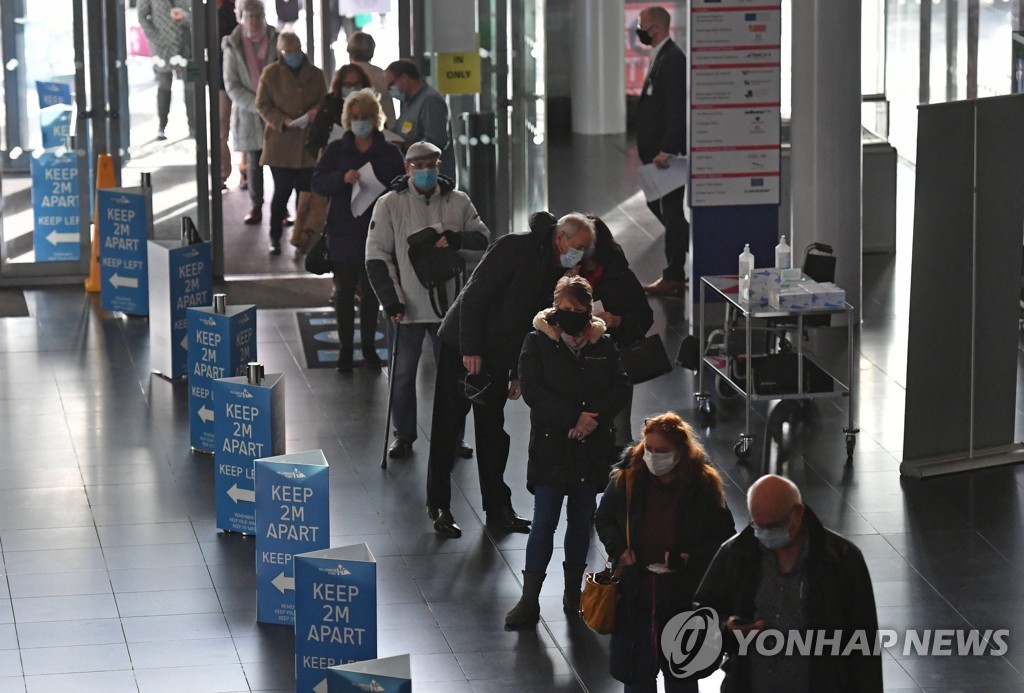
114	577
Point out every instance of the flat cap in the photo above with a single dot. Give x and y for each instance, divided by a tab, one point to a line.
422	150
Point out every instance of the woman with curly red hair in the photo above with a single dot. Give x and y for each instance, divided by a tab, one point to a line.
677	519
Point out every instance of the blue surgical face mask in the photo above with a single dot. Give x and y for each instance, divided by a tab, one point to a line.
395	94
571	257
361	128
772	538
425	179
345	91
293	60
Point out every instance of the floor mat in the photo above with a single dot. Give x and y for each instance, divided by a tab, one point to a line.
319	333
12	304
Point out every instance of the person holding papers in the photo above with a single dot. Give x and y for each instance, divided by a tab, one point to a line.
289	92
419	203
660	136
353	172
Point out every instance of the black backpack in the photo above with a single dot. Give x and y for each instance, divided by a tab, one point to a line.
435	267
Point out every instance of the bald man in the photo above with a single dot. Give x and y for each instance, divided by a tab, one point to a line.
785	572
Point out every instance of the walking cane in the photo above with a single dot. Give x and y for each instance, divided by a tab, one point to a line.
391	393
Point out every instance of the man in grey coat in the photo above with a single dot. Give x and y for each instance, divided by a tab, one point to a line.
250	48
419	200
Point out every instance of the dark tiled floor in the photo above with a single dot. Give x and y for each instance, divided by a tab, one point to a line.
115	578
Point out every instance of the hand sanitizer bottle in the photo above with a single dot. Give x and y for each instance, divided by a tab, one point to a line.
746	262
783	255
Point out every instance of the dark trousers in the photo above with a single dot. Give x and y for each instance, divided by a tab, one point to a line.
347	276
254	174
285	181
163	98
547	508
669	211
492	443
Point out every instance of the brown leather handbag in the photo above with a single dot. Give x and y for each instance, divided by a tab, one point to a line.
601	590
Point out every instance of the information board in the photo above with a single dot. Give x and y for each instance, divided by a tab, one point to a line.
249	423
125	225
219	346
335	611
55	209
293	516
735	93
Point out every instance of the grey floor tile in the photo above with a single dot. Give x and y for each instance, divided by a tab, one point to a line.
12	684
92	682
75	659
153	556
166	603
171	628
146	534
183	653
59	584
48	539
70	633
149	579
79	607
10	662
204	679
8	637
25	562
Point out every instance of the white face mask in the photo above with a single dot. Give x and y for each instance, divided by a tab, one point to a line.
660	463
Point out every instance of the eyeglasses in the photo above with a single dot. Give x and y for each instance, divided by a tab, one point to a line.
775	525
423	164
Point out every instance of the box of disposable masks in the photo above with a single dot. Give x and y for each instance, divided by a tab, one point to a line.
793	298
825	294
760	284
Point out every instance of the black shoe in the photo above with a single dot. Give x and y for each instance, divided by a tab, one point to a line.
507	520
444	523
372	360
400	449
344	361
465	451
275	248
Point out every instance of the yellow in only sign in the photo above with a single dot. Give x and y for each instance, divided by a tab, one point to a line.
459	73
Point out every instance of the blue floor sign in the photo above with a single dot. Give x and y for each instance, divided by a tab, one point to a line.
293	516
125	224
55	207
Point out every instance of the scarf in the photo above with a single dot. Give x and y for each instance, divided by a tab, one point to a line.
255	56
577	343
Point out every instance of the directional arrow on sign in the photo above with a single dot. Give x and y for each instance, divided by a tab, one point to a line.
54	238
205	414
320	687
184	342
128	282
241	494
283	583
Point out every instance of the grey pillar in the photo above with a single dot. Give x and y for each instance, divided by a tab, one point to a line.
598	67
826	150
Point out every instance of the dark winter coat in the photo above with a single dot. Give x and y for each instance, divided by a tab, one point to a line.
558	386
515	279
701	525
622	294
839	597
346	235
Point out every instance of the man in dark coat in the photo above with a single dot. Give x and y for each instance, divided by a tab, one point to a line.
660	135
481	335
786	572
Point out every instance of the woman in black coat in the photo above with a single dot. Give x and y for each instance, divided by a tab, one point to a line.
571	378
626	312
335	174
677	521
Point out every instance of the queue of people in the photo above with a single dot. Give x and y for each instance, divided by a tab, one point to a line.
543	316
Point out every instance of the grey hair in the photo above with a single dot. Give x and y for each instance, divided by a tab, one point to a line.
574	222
252	5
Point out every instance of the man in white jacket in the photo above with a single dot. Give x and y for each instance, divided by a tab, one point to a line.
419	200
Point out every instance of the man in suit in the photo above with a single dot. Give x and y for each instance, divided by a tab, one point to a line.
661	134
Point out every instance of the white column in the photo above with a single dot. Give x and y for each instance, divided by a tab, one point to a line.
826	139
598	67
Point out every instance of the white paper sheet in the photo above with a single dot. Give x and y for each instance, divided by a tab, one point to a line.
299	123
365	190
598	307
658	182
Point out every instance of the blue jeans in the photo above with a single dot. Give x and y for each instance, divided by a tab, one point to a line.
407	361
547	508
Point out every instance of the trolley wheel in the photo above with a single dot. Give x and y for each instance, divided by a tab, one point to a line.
707	409
851	442
723	388
742	449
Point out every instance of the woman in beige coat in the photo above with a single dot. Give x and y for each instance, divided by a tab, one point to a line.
289	92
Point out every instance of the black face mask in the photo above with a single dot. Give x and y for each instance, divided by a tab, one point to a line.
570	322
645	38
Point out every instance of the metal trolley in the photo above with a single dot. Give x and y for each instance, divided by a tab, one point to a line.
727	287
